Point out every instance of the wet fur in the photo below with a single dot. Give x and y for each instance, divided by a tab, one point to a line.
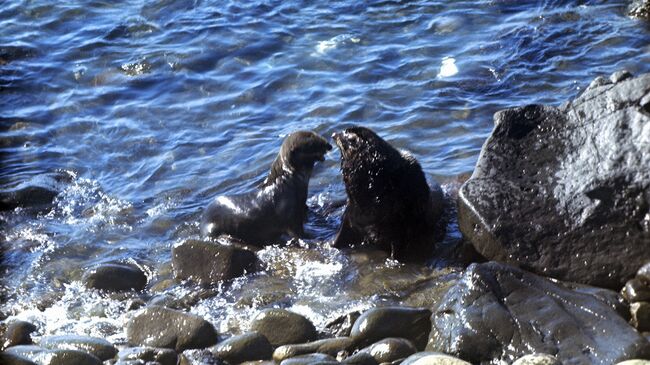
390	205
278	206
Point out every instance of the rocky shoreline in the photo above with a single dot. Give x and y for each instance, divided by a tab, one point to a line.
559	207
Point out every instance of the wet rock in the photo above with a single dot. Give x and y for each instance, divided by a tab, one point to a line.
378	323
135	304
208	263
636	290
247	347
44	356
390	349
644	273
433	358
282	327
537	359
115	277
98	347
559	190
164	300
342	326
311	359
18	333
498	312
613	299
640	9
9	359
37	192
161	327
360	358
148	354
619	76
203	357
136	362
259	362
640	316
328	346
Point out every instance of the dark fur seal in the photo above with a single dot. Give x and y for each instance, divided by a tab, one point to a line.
278	206
390	205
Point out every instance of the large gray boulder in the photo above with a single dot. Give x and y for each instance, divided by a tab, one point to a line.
498	312
565	191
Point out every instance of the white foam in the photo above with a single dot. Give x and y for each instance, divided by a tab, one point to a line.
448	67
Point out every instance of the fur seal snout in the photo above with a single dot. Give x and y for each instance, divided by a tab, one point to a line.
278	206
390	205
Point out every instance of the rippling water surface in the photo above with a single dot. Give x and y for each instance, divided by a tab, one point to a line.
150	108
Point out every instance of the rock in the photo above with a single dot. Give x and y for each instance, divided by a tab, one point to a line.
634	362
360	358
342	326
619	76
161	327
115	277
148	355
44	356
496	312
328	346
639	9
98	347
636	290
644	273
390	349
202	357
247	347
537	359
378	323
640	316
37	192
559	190
311	359
259	362
135	304
137	362
9	359
18	333
282	327
433	358
208	263
613	299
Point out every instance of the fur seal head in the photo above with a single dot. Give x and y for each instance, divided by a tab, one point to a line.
298	154
388	197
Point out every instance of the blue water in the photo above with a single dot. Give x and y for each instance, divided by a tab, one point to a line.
153	107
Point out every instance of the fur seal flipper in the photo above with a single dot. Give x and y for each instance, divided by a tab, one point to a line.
389	201
278	206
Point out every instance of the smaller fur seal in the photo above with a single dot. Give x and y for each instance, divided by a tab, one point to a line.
278	206
390	205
